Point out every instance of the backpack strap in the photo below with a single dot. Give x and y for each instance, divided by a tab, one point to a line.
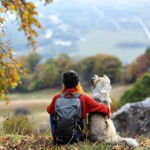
77	95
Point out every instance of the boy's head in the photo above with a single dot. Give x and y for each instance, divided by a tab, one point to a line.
70	78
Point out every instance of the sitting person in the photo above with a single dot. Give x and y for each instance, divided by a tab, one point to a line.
69	108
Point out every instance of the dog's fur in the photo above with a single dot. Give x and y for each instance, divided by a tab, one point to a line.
100	127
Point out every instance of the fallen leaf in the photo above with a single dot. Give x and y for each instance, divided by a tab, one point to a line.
117	147
2	148
75	148
95	143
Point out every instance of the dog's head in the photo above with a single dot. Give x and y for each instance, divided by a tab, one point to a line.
103	80
100	86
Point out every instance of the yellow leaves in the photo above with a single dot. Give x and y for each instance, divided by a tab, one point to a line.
25	72
1	10
13	84
26	14
30	5
11	50
1	73
12	7
19	64
9	72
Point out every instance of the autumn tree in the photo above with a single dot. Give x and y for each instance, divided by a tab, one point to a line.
138	67
100	64
26	16
109	65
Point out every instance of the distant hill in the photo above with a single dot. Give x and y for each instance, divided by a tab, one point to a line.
88	27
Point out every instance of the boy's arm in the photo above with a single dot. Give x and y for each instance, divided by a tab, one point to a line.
51	107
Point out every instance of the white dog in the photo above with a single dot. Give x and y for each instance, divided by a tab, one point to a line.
100	127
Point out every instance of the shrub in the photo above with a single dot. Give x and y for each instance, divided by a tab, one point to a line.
114	105
139	91
19	125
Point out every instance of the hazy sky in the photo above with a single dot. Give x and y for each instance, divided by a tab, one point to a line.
88	27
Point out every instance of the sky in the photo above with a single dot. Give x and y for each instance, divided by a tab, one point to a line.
87	27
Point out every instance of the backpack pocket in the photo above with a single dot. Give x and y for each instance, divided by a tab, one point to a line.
65	121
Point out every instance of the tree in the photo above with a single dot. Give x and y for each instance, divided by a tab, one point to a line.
109	65
31	63
138	67
86	69
100	64
33	60
49	74
139	91
64	63
10	69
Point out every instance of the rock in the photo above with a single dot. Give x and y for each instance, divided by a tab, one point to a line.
133	117
21	111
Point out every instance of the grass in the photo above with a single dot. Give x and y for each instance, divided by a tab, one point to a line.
44	142
36	95
118	90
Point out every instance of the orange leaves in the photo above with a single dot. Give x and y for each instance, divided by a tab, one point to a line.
9	70
118	147
25	72
3	33
19	64
95	143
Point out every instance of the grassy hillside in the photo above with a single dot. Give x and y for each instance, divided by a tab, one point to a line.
37	102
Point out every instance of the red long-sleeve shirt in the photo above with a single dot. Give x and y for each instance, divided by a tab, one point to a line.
87	103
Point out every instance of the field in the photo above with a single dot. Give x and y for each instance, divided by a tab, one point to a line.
36	103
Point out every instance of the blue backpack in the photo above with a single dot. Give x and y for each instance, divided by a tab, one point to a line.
68	122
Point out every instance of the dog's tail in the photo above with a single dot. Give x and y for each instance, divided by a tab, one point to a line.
125	141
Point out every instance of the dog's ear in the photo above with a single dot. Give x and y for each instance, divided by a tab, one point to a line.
108	80
96	76
93	78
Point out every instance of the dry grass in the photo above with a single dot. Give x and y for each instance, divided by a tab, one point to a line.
37	102
118	90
